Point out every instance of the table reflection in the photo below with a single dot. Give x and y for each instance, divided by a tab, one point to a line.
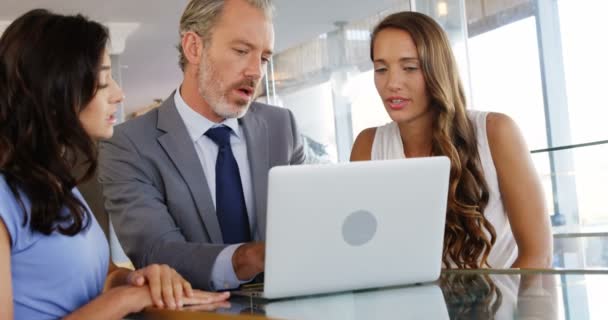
475	296
458	294
374	304
454	296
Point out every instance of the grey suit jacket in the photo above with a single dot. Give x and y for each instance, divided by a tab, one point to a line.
157	195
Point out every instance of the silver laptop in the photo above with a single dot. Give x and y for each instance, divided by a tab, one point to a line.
350	226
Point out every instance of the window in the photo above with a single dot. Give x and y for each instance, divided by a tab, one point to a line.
524	58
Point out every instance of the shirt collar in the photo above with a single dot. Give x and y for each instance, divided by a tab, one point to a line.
197	124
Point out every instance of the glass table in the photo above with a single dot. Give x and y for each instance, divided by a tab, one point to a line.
458	294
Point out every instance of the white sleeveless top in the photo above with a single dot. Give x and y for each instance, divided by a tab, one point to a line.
388	145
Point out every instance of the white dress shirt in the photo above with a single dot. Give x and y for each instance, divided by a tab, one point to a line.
222	274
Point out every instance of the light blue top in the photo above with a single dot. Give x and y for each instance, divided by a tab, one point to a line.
222	273
56	274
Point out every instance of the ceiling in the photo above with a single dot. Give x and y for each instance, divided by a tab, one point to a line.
149	62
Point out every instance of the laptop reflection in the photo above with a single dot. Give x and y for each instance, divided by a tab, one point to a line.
411	302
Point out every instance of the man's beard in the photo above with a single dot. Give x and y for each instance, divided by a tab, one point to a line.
215	92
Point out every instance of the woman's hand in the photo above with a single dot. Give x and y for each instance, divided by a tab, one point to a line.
167	287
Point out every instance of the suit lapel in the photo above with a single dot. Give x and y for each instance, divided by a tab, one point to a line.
179	147
258	150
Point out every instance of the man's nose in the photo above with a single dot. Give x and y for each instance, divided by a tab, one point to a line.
255	68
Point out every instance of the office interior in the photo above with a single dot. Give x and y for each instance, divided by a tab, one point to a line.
542	62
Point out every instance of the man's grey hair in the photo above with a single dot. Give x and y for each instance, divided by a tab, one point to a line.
200	16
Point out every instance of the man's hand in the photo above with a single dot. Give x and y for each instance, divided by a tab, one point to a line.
248	260
167	287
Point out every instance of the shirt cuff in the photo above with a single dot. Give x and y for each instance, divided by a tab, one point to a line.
223	276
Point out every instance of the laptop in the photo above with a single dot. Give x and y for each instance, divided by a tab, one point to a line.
351	226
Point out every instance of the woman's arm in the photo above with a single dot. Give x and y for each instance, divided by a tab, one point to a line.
128	291
116	276
521	193
167	287
115	303
118	302
6	289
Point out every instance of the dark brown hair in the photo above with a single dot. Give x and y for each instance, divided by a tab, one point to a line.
49	67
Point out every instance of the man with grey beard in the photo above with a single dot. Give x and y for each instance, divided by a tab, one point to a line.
186	184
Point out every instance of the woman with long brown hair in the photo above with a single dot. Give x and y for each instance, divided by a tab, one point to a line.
496	215
57	97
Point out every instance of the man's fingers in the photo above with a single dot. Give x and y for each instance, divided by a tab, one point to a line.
154	281
178	289
167	287
204	297
187	288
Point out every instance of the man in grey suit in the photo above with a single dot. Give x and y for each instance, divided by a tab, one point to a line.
186	184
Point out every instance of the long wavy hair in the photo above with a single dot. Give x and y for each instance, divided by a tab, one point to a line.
469	236
49	69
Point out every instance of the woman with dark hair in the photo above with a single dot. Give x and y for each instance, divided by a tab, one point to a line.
57	97
496	214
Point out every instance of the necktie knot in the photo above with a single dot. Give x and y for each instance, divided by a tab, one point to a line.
219	135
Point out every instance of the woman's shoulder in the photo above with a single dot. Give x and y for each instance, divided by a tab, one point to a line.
370	133
367	134
373	142
11	211
7	198
497	126
504	139
500	127
362	147
490	118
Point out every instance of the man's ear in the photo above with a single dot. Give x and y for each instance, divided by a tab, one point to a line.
192	46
